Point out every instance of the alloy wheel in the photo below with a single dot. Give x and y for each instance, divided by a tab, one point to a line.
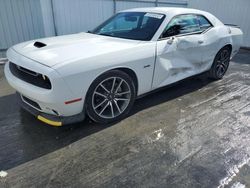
111	97
222	63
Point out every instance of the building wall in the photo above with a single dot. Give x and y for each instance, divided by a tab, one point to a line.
22	20
72	16
228	11
123	4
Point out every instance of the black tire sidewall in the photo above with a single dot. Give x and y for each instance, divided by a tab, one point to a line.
113	73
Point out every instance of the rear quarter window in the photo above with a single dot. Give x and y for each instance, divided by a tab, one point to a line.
182	24
204	23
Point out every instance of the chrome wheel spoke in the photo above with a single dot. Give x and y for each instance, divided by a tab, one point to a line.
112	109
113	85
223	64
118	86
100	94
222	56
123	93
222	69
104	88
121	99
104	108
117	106
100	104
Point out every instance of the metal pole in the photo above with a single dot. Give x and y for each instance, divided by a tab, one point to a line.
53	17
156	3
115	7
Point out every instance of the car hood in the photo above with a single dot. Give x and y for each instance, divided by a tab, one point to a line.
55	50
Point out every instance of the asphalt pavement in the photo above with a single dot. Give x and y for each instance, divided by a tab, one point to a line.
193	134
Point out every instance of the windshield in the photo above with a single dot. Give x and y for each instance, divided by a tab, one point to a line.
131	25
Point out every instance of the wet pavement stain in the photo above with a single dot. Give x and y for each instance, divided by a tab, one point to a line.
193	134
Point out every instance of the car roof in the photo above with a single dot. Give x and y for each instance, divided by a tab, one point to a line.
173	11
165	10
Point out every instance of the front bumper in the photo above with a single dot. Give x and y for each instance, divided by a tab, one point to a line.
48	118
52	106
50	100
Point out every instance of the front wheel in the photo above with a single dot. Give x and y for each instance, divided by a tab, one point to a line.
220	64
110	97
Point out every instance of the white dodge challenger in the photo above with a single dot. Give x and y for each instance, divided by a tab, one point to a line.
62	79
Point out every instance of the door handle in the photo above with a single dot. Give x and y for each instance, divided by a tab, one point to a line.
200	41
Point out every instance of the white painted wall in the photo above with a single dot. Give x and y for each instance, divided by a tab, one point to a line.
72	16
228	11
22	20
47	17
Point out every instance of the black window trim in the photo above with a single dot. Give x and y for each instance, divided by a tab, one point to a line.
187	34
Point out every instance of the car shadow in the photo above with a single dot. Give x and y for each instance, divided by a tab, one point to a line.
171	92
24	138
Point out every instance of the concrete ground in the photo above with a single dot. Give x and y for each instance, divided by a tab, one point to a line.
194	134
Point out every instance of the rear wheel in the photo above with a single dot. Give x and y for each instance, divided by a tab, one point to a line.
220	64
110	97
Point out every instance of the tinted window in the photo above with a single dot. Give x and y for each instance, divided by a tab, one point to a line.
131	25
182	24
204	23
121	23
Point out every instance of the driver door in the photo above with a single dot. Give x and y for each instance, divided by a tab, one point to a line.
178	51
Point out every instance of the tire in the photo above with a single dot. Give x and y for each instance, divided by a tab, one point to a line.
110	97
220	64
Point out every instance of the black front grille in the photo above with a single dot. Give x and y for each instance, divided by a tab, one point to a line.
32	103
30	76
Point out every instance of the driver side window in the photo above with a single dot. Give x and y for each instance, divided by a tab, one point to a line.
182	24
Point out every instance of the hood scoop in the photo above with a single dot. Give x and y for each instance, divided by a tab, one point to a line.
39	44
